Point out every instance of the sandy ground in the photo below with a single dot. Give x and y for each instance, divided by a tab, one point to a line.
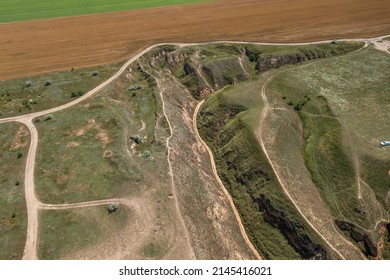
33	47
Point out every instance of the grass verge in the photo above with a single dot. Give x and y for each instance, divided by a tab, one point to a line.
34	94
14	143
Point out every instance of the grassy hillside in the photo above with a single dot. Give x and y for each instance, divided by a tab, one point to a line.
226	122
343	104
345	95
21	10
211	67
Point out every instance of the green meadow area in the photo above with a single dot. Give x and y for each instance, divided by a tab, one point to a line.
20	10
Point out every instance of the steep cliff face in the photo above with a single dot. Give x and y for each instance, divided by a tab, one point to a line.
388	232
358	237
216	74
300	242
188	69
192	81
267	63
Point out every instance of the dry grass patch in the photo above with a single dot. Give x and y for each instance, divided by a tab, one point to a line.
14	142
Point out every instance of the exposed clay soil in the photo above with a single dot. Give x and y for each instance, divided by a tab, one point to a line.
34	47
20	141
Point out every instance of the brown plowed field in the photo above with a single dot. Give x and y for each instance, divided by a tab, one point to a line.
34	47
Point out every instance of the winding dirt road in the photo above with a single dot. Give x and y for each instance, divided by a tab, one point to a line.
34	205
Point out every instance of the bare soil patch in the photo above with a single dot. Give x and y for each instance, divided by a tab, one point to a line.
20	140
214	233
101	134
72	144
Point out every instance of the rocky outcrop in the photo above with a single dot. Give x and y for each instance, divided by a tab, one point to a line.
358	237
300	242
167	55
267	63
174	59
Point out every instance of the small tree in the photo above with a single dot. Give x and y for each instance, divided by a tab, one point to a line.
112	208
47	83
19	155
147	154
137	139
48	117
77	93
134	87
252	57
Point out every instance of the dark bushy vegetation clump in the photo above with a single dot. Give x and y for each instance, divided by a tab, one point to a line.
48	117
147	154
134	87
77	94
137	139
112	208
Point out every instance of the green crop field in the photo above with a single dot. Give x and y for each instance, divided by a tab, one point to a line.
20	10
